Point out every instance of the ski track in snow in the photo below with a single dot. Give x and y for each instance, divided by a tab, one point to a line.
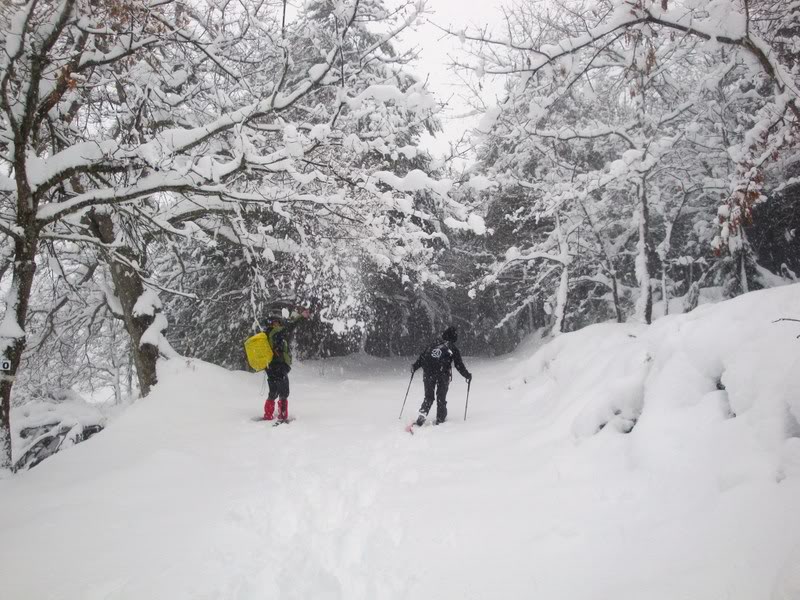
185	497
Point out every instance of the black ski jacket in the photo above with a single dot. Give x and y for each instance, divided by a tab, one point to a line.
439	358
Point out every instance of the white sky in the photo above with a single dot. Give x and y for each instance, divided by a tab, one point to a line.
435	46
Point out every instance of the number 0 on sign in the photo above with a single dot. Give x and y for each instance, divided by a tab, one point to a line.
5	365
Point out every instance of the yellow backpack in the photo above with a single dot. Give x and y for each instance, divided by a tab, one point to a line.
258	350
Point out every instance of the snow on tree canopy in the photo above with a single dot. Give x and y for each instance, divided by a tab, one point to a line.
488	119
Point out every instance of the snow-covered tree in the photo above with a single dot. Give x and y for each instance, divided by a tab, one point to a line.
634	117
126	121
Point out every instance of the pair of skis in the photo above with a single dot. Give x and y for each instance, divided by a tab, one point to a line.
276	422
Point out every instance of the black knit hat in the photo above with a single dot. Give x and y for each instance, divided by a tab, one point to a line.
450	335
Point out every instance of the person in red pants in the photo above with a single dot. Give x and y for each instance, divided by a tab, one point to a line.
279	331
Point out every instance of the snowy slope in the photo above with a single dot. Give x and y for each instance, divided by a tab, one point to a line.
184	497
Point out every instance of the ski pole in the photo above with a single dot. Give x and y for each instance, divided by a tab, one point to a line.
406	398
469	383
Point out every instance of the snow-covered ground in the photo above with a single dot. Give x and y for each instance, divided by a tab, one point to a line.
539	494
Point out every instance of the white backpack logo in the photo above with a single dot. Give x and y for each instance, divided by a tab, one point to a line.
436	353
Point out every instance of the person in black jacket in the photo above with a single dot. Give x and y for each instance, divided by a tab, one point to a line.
437	368
279	331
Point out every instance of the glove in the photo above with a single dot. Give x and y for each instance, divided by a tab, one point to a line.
469	377
413	369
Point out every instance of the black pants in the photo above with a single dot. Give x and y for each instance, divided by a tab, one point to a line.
278	387
436	385
278	379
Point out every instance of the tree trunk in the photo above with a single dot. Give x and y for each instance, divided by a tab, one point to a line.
563	287
607	261
12	336
663	252
128	288
615	294
561	301
644	306
743	282
14	341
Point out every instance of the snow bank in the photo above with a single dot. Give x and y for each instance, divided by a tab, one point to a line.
735	356
710	403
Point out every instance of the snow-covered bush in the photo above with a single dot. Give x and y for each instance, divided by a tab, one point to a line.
45	426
